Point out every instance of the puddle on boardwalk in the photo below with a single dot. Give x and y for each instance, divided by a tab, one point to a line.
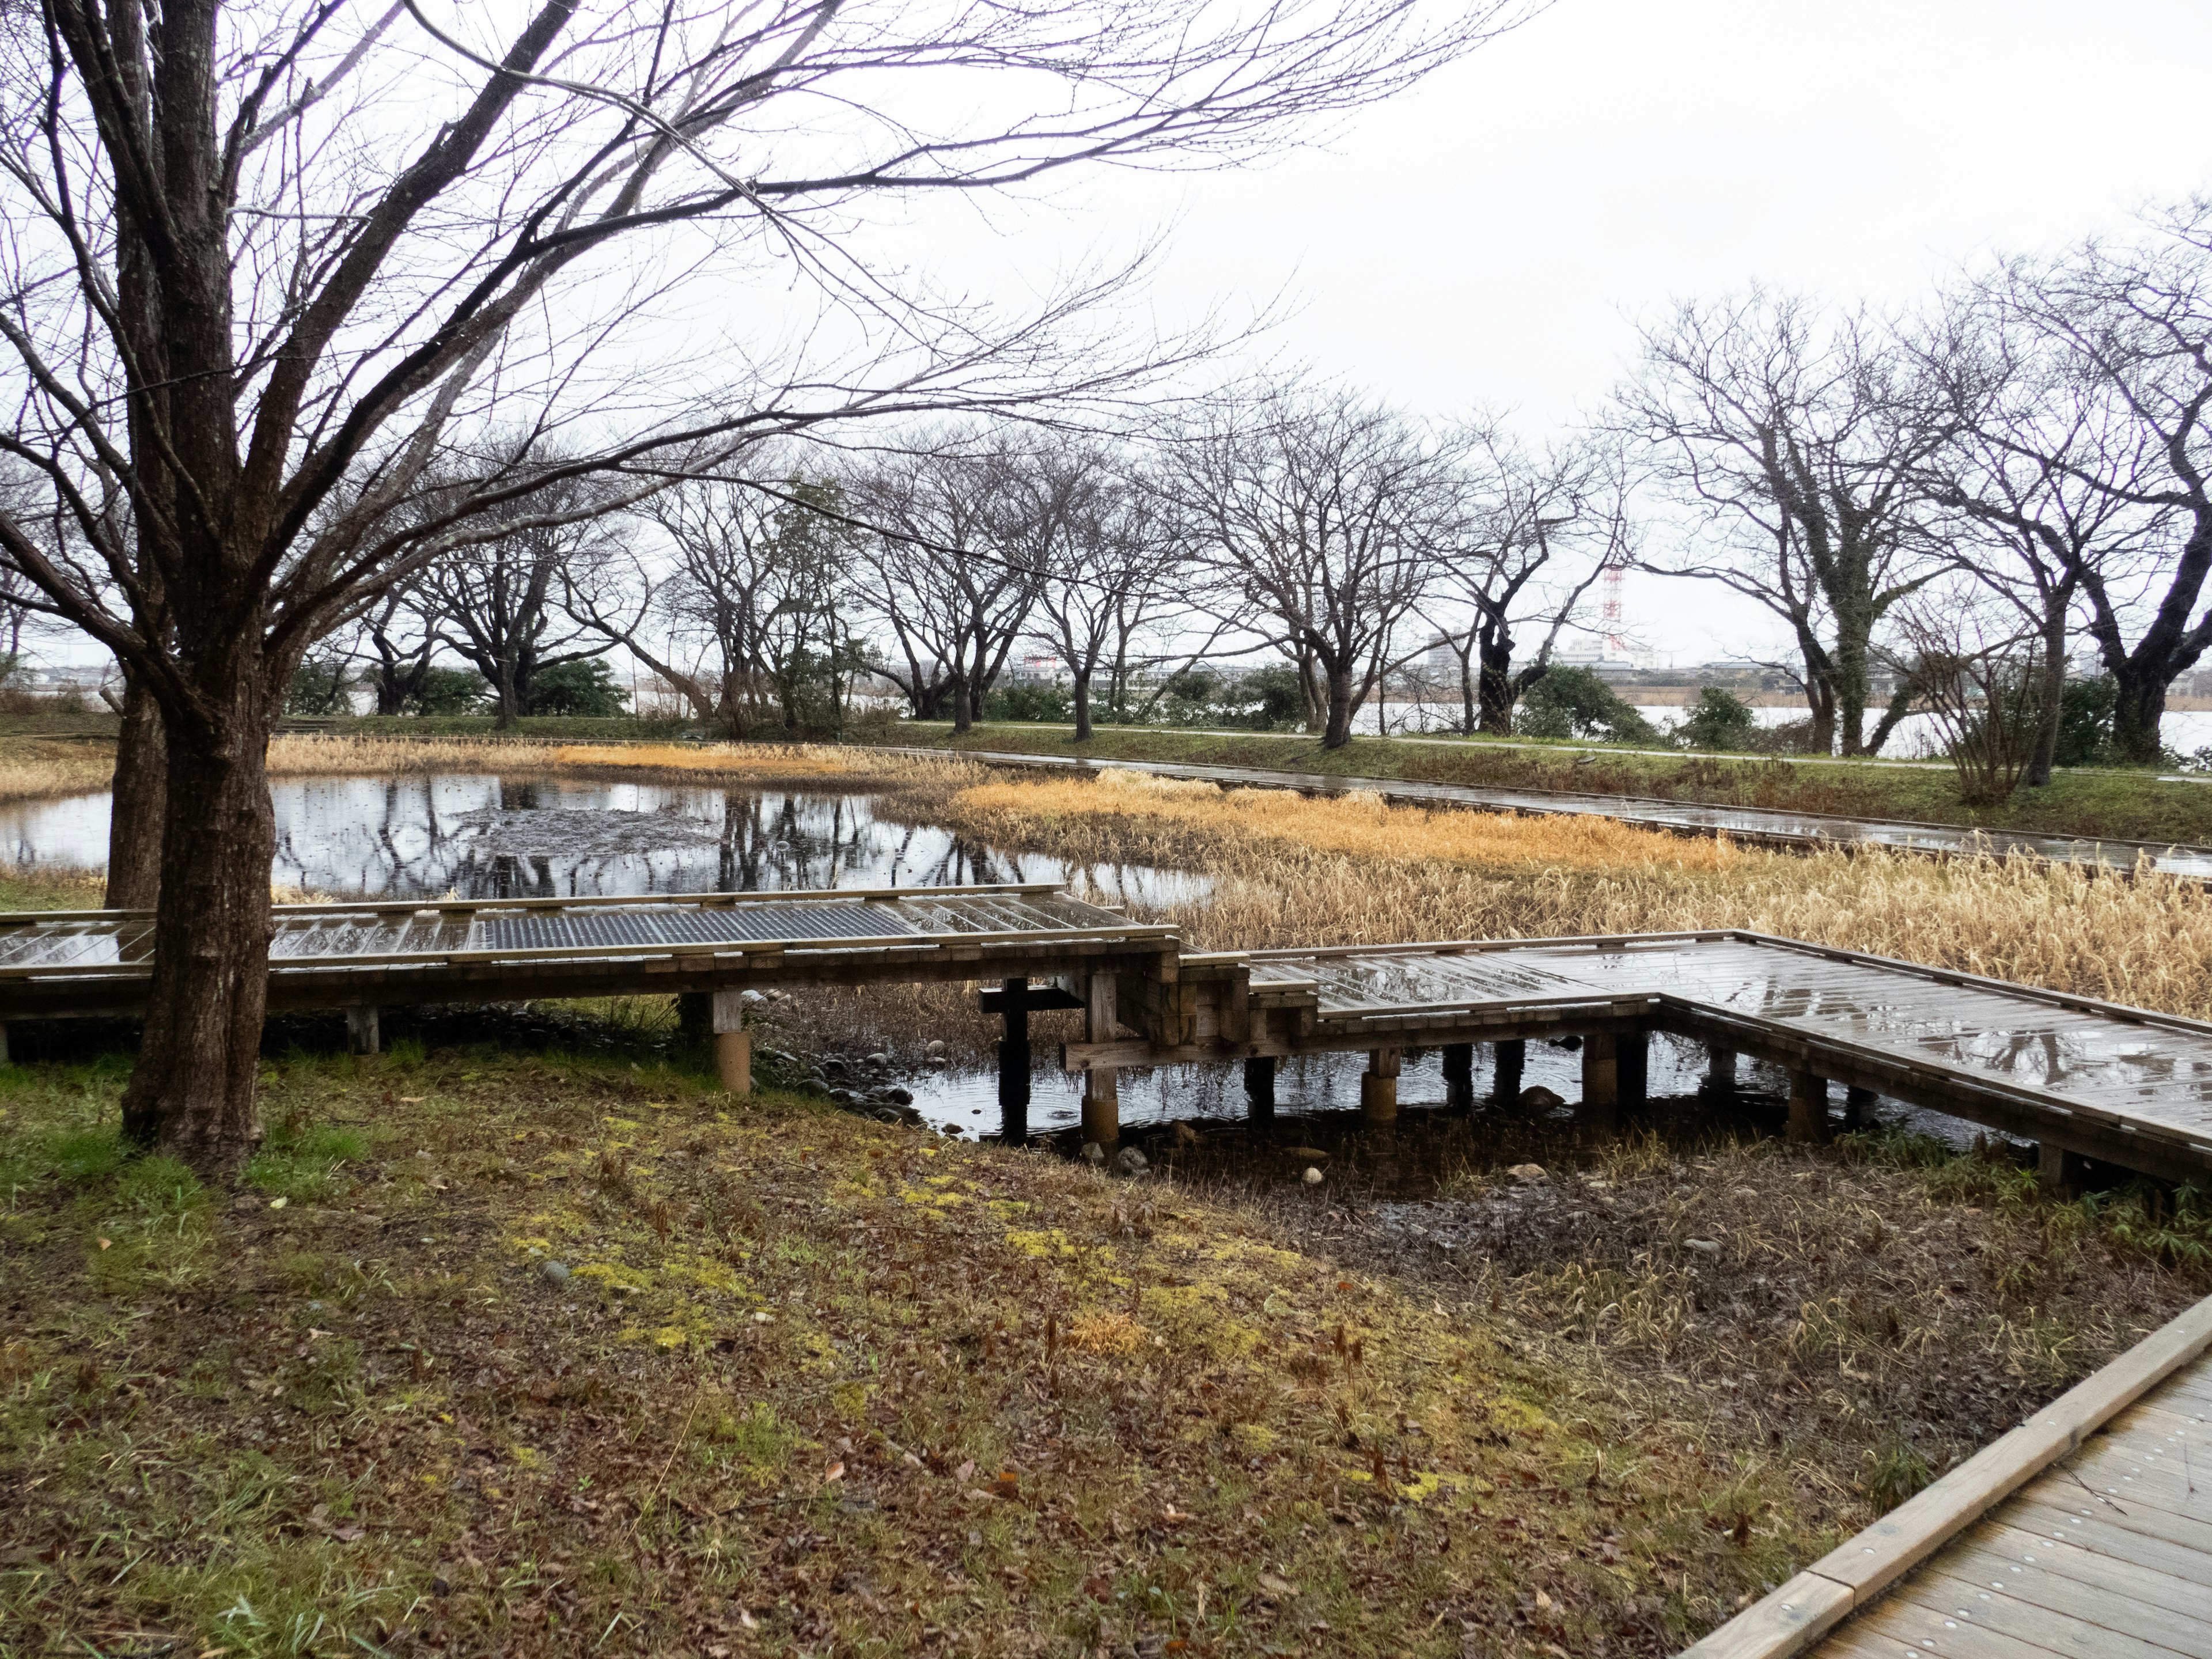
481	836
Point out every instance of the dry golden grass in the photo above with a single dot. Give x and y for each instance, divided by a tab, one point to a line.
1361	825
1328	871
296	756
33	769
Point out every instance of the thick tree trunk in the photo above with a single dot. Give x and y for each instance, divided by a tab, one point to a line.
2044	755
963	716
1822	698
136	813
2136	715
1339	730
1083	705
510	703
192	1089
1494	692
1851	689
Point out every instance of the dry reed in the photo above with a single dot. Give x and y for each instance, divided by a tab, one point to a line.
297	755
31	768
1405	874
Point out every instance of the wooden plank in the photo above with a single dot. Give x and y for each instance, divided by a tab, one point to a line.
1937	1597
1792	1617
1997	1554
2154	1538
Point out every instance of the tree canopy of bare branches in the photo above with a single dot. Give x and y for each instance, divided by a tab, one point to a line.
1311	517
268	259
1796	440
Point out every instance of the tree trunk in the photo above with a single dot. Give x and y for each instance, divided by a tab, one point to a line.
510	699
192	1089
963	716
2045	755
1470	718
1850	692
2136	715
1495	688
1339	730
136	814
1083	705
1822	697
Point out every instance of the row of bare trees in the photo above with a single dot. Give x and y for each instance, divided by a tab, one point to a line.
2035	440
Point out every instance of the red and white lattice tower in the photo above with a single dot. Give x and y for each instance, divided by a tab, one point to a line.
1616	645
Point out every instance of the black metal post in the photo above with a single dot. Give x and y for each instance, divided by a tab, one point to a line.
1014	1054
1260	1086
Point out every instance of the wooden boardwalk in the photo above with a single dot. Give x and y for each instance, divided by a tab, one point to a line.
2086	1532
2081	1079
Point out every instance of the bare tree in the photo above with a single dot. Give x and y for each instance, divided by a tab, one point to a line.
2042	470
941	572
745	619
1312	515
1797	440
2133	324
495	601
262	256
401	643
1104	565
1528	534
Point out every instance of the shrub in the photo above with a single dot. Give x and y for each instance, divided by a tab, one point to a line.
451	691
1574	702
1055	704
1718	719
2084	720
585	688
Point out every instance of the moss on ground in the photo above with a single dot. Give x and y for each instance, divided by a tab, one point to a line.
2117	804
806	1379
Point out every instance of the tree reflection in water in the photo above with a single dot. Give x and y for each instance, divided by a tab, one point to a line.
477	836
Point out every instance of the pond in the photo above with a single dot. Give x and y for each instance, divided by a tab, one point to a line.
477	836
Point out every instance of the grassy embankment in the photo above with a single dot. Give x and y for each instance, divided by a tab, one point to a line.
812	1380
2118	805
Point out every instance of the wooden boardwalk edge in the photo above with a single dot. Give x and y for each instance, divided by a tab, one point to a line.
1860	1572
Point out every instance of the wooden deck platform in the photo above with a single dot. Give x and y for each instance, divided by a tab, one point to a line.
60	963
2080	1076
2086	1532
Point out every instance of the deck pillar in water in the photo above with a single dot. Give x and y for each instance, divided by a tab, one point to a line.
1459	1076
1014	1049
1101	1084
1857	1104
1378	1086
1260	1085
1809	1107
733	1044
362	1036
1720	1072
1601	1105
1506	1061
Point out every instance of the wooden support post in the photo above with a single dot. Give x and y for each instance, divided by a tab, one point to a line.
1809	1107
2063	1173
1632	1061
733	1044
1014	1049
1101	1084
362	1037
5	1061
1600	1106
1378	1086
1459	1076
694	1015
1720	1072
1858	1105
1506	1059
1260	1086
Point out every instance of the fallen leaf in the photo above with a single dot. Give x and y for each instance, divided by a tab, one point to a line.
105	1243
1008	1484
964	1471
1274	1586
278	1203
836	1472
412	1100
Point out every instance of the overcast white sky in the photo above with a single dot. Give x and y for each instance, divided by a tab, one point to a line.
1486	238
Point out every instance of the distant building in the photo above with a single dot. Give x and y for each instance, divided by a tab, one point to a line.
1039	668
